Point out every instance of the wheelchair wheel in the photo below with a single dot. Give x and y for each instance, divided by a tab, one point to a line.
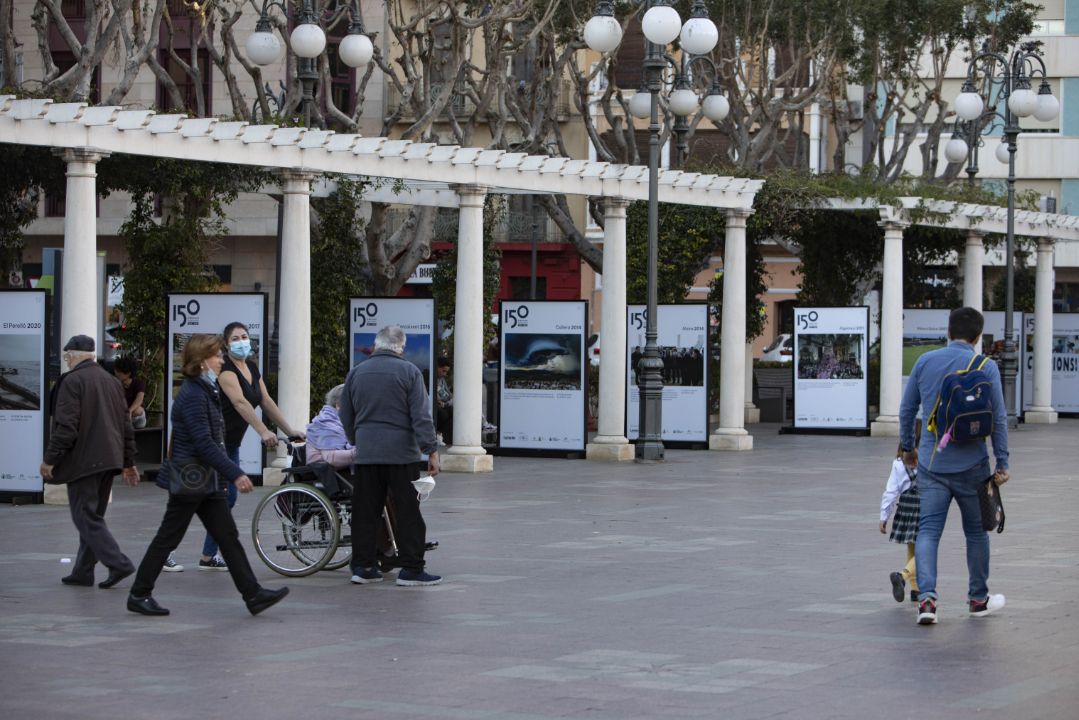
343	554
295	530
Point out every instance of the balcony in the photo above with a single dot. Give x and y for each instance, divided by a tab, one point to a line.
462	106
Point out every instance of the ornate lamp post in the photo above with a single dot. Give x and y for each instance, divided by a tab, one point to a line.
308	40
1005	96
698	36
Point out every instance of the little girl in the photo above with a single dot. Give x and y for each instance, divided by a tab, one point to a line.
902	490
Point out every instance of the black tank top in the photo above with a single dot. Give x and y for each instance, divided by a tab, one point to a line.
235	425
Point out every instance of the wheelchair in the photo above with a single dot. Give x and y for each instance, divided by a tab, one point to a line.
304	525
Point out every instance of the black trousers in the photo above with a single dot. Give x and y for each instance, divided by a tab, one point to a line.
88	498
368	499
213	511
444	423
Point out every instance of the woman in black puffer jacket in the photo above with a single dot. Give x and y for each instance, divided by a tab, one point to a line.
198	434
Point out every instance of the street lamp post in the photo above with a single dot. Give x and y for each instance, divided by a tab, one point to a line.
1004	81
308	40
698	36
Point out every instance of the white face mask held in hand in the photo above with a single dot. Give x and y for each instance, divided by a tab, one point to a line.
424	487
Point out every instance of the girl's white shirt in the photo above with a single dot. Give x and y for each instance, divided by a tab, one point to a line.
898	483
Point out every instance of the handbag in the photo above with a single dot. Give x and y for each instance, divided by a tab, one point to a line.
188	478
992	506
191	478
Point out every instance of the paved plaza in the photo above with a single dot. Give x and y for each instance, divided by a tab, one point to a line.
716	585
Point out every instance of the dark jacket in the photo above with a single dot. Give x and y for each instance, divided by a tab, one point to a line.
91	430
384	408
198	428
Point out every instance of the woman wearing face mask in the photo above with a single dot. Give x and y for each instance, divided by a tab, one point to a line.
244	391
198	434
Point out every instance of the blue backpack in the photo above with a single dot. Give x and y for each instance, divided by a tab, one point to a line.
964	407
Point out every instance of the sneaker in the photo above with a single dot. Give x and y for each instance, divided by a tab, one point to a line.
981	608
171	565
362	576
214	563
898	586
411	578
927	612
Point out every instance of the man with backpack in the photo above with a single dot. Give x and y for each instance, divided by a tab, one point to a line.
960	396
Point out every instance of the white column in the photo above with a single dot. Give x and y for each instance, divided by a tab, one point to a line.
78	301
610	442
891	332
973	260
467	453
78	298
294	330
1041	410
753	413
731	433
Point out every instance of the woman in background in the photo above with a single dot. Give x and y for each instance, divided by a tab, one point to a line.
242	384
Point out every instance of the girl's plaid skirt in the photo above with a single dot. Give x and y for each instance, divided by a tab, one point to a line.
905	522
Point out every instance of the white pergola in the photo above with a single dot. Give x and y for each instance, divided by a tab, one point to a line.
86	134
976	221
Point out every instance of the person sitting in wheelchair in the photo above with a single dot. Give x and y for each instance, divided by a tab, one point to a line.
326	438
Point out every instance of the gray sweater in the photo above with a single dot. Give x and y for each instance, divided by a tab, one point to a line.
384	407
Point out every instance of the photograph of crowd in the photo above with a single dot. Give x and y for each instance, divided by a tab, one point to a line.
20	372
915	347
830	356
417	351
682	366
542	362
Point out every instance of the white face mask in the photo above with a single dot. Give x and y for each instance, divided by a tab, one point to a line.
424	486
240	348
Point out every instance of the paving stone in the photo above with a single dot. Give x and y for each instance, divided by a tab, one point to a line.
716	585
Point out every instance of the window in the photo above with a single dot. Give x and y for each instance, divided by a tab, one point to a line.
526	218
521	287
73	9
185	83
629	62
342	79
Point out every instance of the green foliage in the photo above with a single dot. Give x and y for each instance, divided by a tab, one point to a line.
28	173
839	252
1024	285
444	279
756	286
172	254
688	235
925	247
162	258
338	272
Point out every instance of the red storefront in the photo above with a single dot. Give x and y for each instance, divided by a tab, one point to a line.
558	272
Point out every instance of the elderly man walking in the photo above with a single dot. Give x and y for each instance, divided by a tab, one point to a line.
92	438
384	408
948	470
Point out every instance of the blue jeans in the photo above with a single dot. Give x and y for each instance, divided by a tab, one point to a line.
936	491
209	546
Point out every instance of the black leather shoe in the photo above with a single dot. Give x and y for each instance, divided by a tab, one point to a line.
114	577
266	598
145	606
72	580
431	545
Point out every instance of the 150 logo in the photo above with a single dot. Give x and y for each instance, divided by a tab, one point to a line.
364	315
515	317
187	313
806	320
637	320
